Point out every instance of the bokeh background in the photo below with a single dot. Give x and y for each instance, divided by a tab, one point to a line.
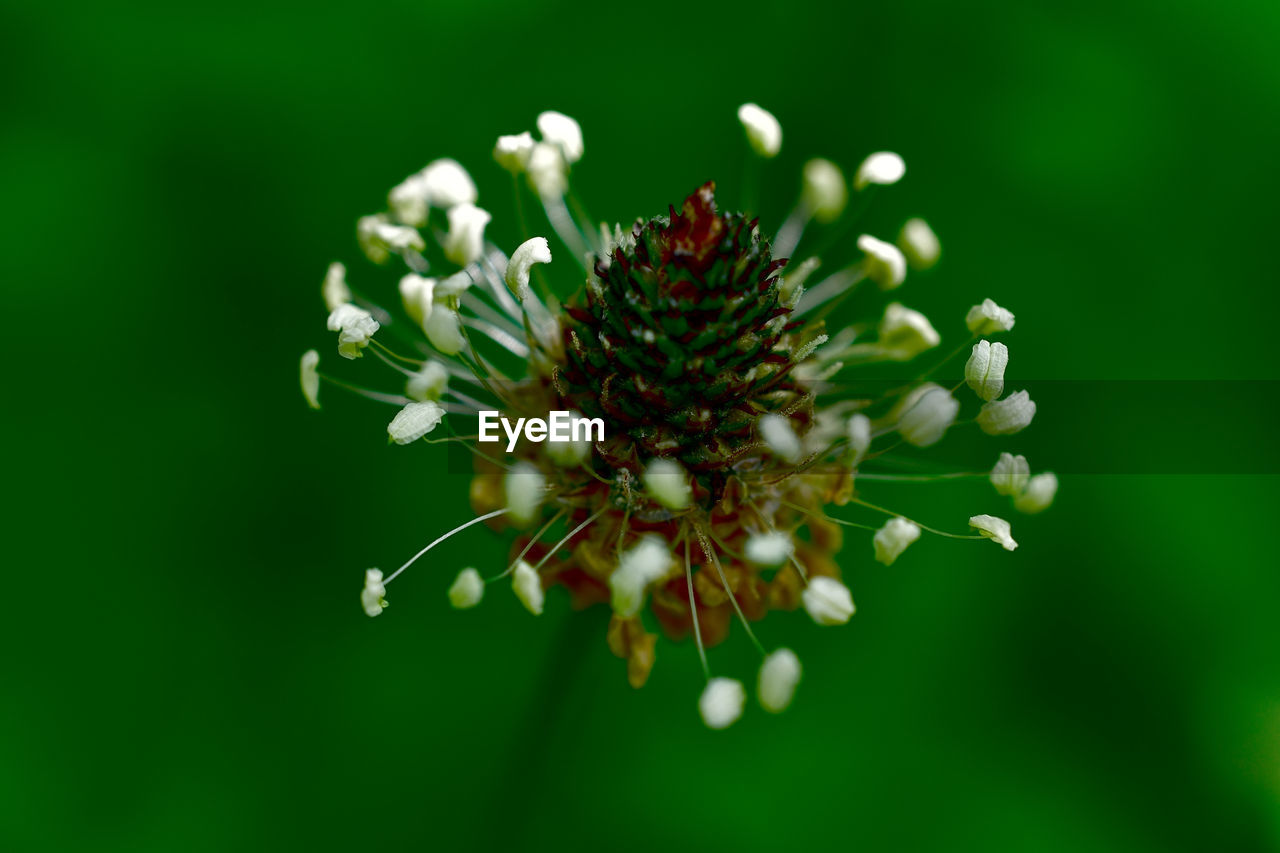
185	666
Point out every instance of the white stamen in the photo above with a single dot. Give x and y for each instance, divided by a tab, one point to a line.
429	383
373	596
764	134
984	371
1007	416
418	294
525	486
334	289
512	152
645	563
1039	493
882	167
779	675
467	589
464	244
893	538
824	193
859	431
548	173
355	327
905	333
667	483
447	184
532	251
988	318
721	702
918	242
444	330
414	421
995	529
926	413
309	378
885	265
1010	474
563	132
777	434
528	588
827	601
769	549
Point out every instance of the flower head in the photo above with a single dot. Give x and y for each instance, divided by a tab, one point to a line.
726	381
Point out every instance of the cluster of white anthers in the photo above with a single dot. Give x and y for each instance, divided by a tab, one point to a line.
487	295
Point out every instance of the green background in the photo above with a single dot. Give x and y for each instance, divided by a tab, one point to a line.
185	666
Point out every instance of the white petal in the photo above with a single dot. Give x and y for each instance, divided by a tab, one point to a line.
779	675
414	421
528	588
893	538
722	702
996	529
532	251
882	167
563	132
467	589
309	378
763	131
827	601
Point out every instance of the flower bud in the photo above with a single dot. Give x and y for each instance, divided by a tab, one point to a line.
764	134
927	412
414	421
824	193
464	244
1007	416
667	483
525	486
1010	474
883	167
373	596
984	372
310	378
827	601
995	529
893	538
988	318
779	675
528	588
721	702
1038	494
467	590
885	265
532	251
920	245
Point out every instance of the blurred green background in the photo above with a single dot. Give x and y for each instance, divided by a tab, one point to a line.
185	665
